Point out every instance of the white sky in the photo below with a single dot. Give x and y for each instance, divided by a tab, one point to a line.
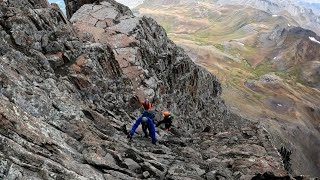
133	3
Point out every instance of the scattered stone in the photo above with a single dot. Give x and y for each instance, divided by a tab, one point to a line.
132	165
211	175
146	174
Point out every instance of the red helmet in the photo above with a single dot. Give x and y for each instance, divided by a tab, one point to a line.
147	105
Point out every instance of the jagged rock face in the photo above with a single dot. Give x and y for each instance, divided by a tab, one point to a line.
65	102
49	78
158	69
73	5
27	3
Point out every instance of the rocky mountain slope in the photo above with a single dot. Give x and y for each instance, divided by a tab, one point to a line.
301	15
268	67
69	94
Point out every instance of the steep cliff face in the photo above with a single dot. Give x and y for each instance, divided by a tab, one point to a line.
66	99
50	79
158	69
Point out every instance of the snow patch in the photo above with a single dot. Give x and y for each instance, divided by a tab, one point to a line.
289	25
275	15
314	40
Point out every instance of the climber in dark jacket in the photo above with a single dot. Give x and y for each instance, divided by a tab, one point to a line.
167	120
146	119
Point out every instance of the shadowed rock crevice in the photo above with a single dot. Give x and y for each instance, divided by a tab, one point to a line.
271	176
285	154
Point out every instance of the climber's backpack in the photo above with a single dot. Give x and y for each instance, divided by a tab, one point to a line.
148	114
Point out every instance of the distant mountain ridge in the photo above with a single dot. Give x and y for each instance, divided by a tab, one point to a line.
314	5
305	17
